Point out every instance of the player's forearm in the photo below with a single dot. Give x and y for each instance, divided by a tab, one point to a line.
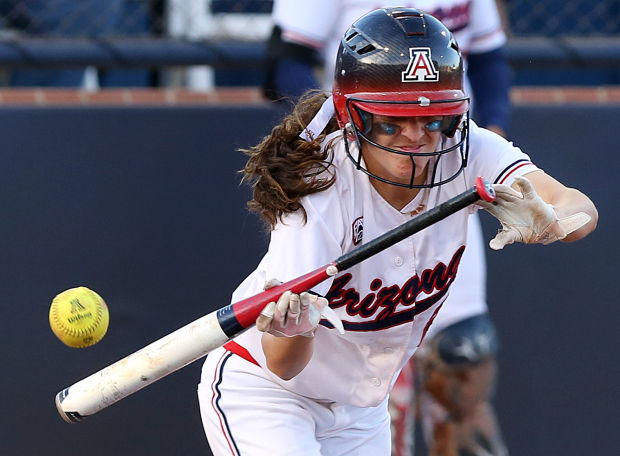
570	202
566	202
287	356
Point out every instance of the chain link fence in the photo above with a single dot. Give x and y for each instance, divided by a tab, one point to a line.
249	19
84	18
563	17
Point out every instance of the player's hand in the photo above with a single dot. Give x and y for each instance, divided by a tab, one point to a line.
295	315
526	218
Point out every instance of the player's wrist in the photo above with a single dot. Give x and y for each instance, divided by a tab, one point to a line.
310	333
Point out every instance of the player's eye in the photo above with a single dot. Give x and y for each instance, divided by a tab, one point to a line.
434	125
385	128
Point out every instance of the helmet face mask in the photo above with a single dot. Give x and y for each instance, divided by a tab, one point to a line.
399	62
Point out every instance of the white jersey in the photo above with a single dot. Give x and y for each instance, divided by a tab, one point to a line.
387	302
476	24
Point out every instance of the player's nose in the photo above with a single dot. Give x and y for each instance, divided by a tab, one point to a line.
413	129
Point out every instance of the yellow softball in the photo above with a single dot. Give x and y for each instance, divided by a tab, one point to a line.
79	317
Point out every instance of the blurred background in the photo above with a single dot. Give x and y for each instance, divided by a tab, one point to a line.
117	40
120	122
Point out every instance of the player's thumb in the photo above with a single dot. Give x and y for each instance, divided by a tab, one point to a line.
503	238
525	187
263	322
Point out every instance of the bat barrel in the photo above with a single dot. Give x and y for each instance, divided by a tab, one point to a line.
140	369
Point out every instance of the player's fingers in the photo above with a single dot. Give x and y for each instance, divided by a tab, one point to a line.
505	198
526	187
265	318
506	193
305	299
282	308
304	303
271	283
501	188
505	237
294	309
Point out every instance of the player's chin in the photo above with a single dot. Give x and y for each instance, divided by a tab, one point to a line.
405	170
401	178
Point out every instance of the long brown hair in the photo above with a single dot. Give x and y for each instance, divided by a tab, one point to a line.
283	167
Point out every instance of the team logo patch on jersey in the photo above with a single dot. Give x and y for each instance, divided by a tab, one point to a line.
358	230
420	67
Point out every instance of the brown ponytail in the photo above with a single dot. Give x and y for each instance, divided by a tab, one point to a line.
283	167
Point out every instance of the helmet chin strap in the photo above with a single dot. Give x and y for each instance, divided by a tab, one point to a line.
320	121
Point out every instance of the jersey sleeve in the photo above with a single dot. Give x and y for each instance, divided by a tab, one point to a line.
487	32
495	158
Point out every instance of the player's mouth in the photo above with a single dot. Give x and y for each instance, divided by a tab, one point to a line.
410	149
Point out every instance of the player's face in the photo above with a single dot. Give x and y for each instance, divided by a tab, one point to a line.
409	135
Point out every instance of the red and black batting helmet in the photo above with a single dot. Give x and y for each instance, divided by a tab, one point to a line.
401	62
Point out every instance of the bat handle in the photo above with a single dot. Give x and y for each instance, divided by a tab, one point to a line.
236	317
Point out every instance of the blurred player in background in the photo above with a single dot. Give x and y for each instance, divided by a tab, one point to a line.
394	139
454	387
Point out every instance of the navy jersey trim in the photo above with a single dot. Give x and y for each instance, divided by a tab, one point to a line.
508	170
220	375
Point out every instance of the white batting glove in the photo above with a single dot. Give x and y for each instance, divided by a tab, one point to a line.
295	315
526	218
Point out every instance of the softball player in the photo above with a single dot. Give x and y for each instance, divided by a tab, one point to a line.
393	140
308	32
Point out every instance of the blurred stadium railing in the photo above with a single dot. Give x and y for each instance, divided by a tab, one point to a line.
229	34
